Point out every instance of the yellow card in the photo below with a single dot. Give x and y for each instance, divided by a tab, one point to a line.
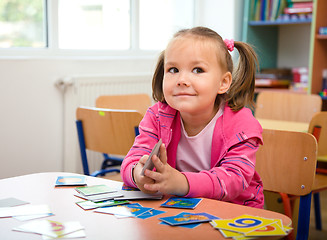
242	224
229	234
287	228
273	229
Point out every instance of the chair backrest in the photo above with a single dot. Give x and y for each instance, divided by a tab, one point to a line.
287	161
139	102
287	106
108	130
320	120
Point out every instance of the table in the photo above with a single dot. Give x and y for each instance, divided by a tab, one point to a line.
283	125
39	188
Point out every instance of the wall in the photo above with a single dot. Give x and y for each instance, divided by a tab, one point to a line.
31	122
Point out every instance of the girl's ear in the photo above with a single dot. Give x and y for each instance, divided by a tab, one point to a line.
225	83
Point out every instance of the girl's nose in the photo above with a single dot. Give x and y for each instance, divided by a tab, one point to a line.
182	80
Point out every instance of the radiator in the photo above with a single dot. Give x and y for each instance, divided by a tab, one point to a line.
83	91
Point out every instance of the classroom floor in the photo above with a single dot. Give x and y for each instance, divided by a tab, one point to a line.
313	234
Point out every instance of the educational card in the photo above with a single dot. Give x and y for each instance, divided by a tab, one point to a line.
127	188
32	217
150	214
100	197
273	229
132	195
242	224
124	211
189	226
180	202
11	202
87	205
24	210
95	189
50	228
70	181
186	218
155	151
77	234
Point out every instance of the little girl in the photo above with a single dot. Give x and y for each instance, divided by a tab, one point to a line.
209	138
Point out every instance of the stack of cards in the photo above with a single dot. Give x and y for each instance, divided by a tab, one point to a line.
97	193
23	212
250	226
53	229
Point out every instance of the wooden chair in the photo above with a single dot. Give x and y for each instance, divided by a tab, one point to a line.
287	106
318	127
139	102
287	163
106	131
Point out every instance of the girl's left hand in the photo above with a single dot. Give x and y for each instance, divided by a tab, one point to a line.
167	179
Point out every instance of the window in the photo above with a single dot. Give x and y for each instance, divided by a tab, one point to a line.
22	23
94	24
106	25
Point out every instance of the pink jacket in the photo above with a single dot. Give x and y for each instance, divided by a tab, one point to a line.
236	138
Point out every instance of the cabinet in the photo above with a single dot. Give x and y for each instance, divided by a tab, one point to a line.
318	48
265	37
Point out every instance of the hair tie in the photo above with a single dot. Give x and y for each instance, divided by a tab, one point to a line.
229	44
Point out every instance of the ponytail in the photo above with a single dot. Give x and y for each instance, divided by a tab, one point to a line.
241	92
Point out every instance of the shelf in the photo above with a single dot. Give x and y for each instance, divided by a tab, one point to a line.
320	36
276	23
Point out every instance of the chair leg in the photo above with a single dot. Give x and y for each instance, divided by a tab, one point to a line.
81	141
304	217
287	210
316	201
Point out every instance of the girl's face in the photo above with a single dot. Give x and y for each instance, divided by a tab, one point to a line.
193	76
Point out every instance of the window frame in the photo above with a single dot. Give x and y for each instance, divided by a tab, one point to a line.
52	50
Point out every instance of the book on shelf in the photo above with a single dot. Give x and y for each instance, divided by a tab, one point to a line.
273	78
266	10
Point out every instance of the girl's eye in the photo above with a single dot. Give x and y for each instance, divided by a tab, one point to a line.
173	70
198	70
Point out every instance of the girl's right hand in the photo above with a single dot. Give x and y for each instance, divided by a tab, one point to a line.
139	179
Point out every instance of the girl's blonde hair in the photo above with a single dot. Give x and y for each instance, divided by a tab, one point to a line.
241	91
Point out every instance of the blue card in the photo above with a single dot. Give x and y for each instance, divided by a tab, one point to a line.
180	202
124	210
150	213
186	218
71	181
190	225
127	188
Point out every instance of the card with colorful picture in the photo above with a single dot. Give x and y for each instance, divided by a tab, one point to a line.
63	181
128	210
189	226
151	213
95	189
242	224
49	228
248	226
187	218
180	202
